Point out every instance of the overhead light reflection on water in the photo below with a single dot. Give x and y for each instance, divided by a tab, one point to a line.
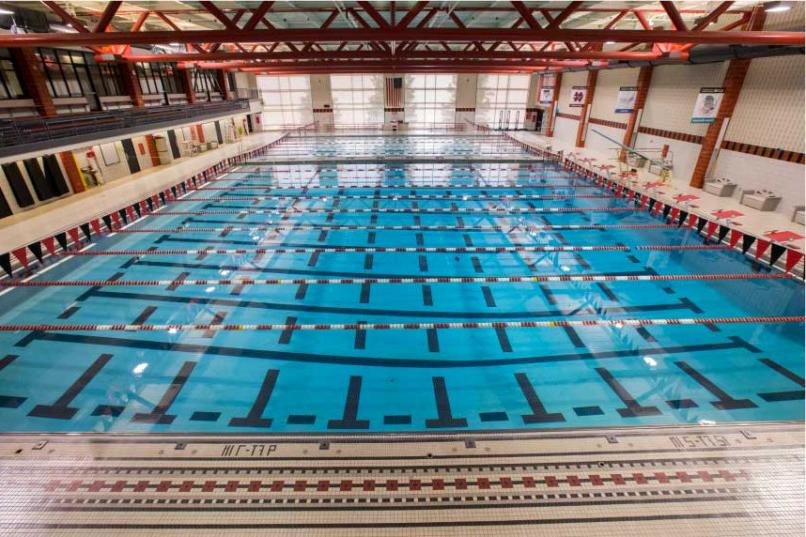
651	362
140	368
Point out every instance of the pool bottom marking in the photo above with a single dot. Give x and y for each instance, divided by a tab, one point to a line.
445	418
159	415
793	395
349	419
60	409
9	401
254	417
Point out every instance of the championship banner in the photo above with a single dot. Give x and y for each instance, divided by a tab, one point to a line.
625	102
707	105
577	96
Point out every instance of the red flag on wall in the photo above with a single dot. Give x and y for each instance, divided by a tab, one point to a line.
50	244
792	259
735	235
22	256
761	247
96	226
74	235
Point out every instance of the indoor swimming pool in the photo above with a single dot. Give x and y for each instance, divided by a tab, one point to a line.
504	278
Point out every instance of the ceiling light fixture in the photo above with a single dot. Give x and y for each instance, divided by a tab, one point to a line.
63	28
776	7
4	11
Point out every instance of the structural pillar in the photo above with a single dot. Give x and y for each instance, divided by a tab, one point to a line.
644	79
583	117
130	82
151	144
551	116
734	80
73	173
187	82
29	71
221	76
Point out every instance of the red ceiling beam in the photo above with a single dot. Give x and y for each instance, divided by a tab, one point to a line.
257	15
66	17
526	15
164	18
564	14
425	34
674	16
411	14
712	16
609	25
405	47
107	16
459	23
374	15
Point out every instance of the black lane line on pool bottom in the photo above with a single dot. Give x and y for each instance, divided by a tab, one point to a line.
159	415
144	315
539	414
445	417
794	395
69	312
349	419
60	409
254	417
633	409
725	401
360	337
9	401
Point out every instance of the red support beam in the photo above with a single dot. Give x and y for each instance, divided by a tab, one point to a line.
257	15
526	15
378	45
141	20
674	16
107	16
459	23
66	17
712	16
564	14
411	14
373	14
164	18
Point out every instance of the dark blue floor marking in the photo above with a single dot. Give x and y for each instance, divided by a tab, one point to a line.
145	314
285	335
205	416
368	259
108	410
254	417
86	294
300	419
373	219
560	238
360	338
178	280
66	314
493	416
227	231
301	291
488	296
607	291
60	409
588	411
238	352
476	264
549	294
428	298
313	259
691	305
573	335
467	239
370	237
539	414
418	237
668	290
322	236
445	417
400	419
582	262
633	409
9	401
364	297
417	220
712	327
330	217
644	333
503	339
681	404
791	375
160	414
633	259
433	340
725	401
423	263
349	419
460	222
237	289
218	318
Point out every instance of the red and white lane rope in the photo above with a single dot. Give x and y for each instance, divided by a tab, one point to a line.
436	210
411	280
393	249
337	227
406	186
616	323
402	197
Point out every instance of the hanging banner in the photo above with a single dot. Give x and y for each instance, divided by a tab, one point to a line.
707	105
546	95
577	96
625	102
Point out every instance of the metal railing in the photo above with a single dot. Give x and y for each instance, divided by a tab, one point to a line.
36	130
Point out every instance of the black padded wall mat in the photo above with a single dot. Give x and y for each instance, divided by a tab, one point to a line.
5	210
17	183
54	175
174	144
131	155
41	185
218	132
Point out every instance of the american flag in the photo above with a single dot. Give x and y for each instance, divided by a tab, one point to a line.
394	92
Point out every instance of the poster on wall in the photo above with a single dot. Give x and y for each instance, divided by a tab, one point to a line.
546	95
625	102
707	105
110	154
577	96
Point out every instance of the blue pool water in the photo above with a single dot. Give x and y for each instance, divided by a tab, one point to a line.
399	380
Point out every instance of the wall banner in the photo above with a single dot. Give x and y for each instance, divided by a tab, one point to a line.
625	102
577	96
707	105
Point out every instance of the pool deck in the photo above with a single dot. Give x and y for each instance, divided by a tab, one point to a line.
742	479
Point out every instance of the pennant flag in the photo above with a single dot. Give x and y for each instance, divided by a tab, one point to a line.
776	252
150	203
173	191
761	247
50	244
683	216
5	262
155	200
74	236
673	215
723	232
644	199
792	259
22	256
124	216
619	191
62	238
36	249
143	207
700	224
131	214
115	220
108	222
735	235
651	204
137	209
747	242
86	229
666	209
710	230
96	226
162	198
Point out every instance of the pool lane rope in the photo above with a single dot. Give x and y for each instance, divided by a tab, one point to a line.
615	323
396	249
407	186
436	210
402	197
337	227
405	280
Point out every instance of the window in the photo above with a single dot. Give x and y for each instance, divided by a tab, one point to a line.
158	77
501	100
430	99
205	81
10	87
357	99
72	73
286	100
